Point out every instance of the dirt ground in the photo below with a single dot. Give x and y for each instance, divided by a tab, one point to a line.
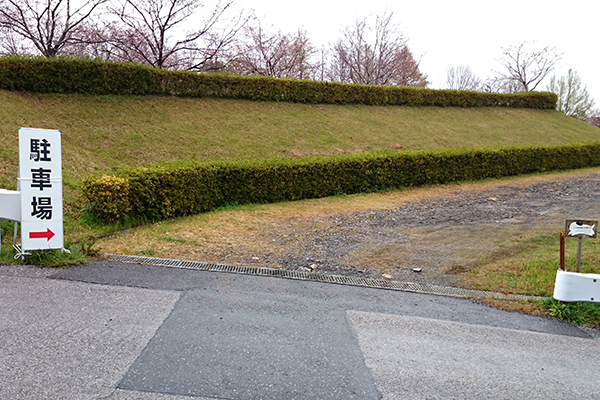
440	231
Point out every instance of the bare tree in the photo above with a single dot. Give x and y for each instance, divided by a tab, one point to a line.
375	54
573	99
10	43
593	117
51	26
93	42
525	69
320	66
462	78
500	85
152	32
277	55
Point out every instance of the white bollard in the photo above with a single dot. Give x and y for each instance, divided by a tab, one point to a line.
573	286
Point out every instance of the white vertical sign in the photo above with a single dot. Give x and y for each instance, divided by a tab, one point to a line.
40	183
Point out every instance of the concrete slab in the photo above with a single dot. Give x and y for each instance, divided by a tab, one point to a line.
420	358
71	340
268	343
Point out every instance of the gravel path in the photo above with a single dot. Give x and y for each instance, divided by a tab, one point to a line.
440	236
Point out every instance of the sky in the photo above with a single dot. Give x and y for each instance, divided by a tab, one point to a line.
444	33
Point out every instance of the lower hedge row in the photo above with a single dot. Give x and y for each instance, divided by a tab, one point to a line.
171	190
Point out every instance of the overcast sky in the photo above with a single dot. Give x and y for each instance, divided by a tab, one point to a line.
446	33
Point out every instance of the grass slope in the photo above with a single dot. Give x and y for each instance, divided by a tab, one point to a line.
102	133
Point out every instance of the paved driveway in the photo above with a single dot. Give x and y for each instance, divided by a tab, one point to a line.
118	331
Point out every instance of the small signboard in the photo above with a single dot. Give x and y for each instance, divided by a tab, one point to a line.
40	184
581	228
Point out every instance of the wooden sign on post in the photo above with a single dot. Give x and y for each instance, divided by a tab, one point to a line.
581	228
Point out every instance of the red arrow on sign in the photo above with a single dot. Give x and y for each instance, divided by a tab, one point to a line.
42	235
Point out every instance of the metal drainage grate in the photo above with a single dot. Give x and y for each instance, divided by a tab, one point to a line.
318	277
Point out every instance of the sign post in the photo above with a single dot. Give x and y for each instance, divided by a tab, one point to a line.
580	228
575	286
40	186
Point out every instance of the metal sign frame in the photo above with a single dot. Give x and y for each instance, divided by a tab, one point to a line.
40	186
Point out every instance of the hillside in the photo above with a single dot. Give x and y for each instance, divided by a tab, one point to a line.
101	133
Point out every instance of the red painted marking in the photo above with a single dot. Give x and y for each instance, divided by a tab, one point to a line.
42	235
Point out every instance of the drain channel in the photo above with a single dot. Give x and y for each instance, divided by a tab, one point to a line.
318	277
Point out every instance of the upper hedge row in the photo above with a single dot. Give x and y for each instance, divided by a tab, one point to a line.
98	77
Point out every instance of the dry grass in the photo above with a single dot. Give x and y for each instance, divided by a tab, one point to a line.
523	307
244	235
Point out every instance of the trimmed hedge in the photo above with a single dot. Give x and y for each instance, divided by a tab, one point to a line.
172	190
98	77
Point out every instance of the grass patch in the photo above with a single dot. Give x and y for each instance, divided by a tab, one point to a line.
75	254
232	206
580	313
48	258
56	258
174	239
528	265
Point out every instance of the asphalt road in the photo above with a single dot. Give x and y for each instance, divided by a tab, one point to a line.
107	330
